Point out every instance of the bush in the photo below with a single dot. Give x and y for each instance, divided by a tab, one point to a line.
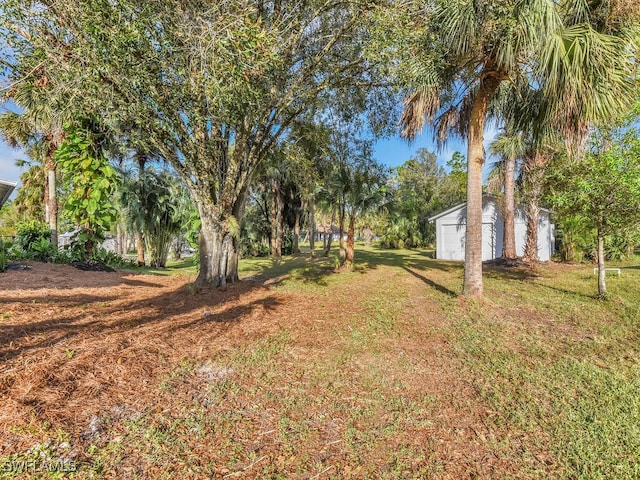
3	257
28	233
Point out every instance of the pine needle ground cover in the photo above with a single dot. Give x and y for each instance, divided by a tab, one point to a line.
299	372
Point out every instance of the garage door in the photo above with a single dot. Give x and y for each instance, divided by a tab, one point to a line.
453	241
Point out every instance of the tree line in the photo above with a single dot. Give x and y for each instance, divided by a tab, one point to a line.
226	94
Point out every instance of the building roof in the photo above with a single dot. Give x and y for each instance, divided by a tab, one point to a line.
6	188
460	206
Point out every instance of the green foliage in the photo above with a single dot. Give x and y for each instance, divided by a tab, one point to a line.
575	238
3	257
254	236
29	201
90	182
603	189
111	259
422	188
9	218
30	232
401	232
158	205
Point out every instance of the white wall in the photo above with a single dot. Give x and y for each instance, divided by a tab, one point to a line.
451	230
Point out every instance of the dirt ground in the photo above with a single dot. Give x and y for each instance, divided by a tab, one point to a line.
78	348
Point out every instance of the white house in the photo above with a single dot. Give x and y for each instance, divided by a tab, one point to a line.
6	188
451	229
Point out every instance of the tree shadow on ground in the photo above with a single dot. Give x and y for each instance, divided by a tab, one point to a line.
569	292
65	277
523	274
431	283
103	315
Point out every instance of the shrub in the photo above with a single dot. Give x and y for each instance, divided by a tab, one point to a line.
3	257
31	232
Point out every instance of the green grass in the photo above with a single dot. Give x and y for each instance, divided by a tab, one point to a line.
561	366
554	370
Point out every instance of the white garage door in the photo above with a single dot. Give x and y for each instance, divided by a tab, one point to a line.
453	240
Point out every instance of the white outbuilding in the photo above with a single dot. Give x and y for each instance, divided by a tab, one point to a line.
451	230
6	188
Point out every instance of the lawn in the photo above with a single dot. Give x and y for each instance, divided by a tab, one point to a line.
299	372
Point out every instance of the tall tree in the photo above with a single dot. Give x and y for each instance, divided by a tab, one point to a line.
480	48
604	189
510	149
37	130
213	86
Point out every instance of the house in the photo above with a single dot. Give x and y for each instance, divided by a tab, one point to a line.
451	230
6	188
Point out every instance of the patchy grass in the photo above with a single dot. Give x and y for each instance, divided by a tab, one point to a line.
302	372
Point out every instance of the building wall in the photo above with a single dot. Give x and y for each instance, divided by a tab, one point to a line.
451	230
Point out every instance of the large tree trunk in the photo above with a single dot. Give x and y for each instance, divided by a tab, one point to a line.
142	160
52	207
472	286
509	210
350	253
531	245
342	256
218	249
119	240
534	176
140	249
51	193
602	286
327	248
277	231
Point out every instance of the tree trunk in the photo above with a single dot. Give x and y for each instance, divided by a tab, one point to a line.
52	206
273	221
602	286
350	253
140	249
472	286
533	184
51	192
296	234
343	253
531	245
509	211
119	240
142	160
277	221
327	248
218	255
312	229
367	233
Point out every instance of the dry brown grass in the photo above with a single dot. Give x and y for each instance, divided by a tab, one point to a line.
141	376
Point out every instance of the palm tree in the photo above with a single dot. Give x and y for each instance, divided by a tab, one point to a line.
153	204
511	149
38	130
483	48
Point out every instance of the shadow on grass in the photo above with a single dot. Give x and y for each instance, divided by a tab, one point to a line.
522	274
570	292
431	283
316	270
